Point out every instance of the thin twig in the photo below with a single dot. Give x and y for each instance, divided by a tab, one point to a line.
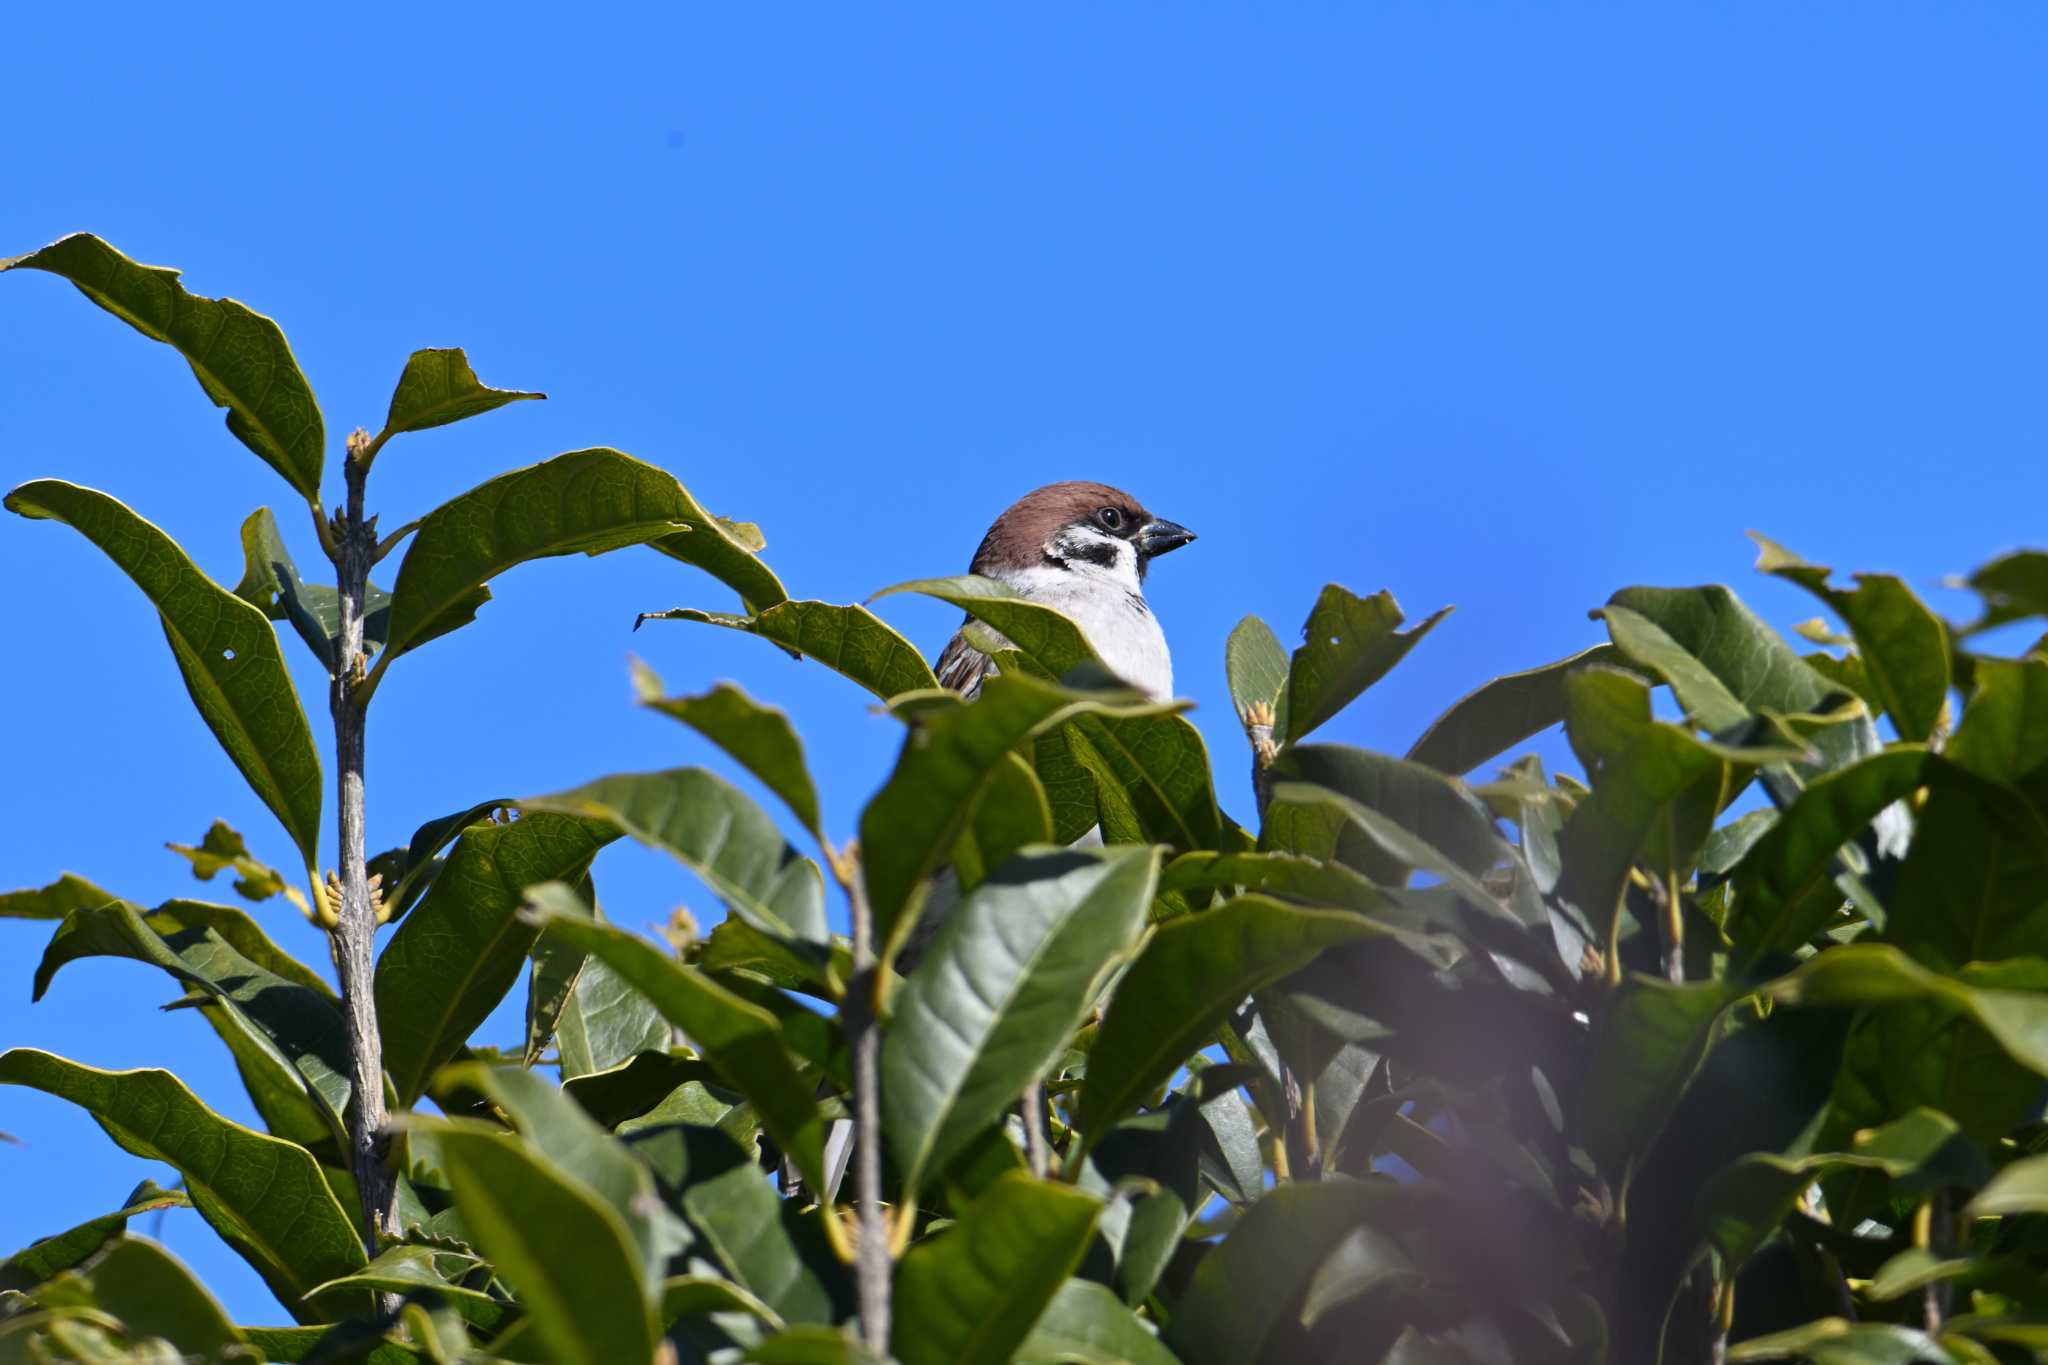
1037	1155
871	1251
355	536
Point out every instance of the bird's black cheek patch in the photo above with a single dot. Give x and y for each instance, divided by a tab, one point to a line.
1098	552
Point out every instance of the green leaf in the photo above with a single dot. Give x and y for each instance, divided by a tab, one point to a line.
973	1292
1751	662
454	957
1255	664
1245	1290
55	901
851	641
810	1345
151	1294
1349	643
408	1269
606	1022
771	1249
1086	1323
2022	1187
1052	640
408	870
557	967
47	1256
1835	1341
271	584
239	357
587	501
1070	791
1194	971
265	1197
1903	645
1436	809
1008	978
222	848
1276	874
760	738
241	933
437	388
912	824
718	832
2014	586
1010	813
1501	714
1649	1044
225	650
1642	642
307	1345
563	1248
742	1040
735	946
304	1026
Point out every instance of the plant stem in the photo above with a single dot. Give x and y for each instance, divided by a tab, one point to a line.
1037	1155
354	937
871	1250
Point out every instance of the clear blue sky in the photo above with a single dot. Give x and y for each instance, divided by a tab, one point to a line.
1488	308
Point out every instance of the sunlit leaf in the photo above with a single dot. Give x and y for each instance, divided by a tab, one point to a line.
438	387
1348	644
760	738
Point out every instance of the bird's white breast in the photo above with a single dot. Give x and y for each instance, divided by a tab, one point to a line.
1120	627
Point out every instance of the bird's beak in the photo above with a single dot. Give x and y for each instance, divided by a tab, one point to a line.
1157	537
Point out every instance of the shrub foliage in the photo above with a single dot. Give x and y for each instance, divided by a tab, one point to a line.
1729	1046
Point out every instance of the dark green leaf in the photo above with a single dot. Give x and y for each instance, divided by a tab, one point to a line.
1903	645
455	956
271	584
151	1294
759	737
1043	635
1650	1041
1501	714
308	1345
411	1269
1348	644
851	641
1010	813
1833	1341
718	832
586	501
736	946
565	1250
973	1292
555	971
1008	978
606	1022
438	387
225	650
913	822
239	357
742	1040
1194	971
1436	809
810	1345
1276	874
2014	586
772	1250
265	1197
1874	974
2021	1187
1255	664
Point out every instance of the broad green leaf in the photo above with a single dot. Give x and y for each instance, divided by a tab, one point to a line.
699	1295
454	957
1784	884
913	822
1348	644
1751	662
1306	819
1649	1043
222	849
407	870
1903	645
45	1257
1836	1341
2021	1187
241	933
239	357
1246	1289
2014	586
773	1251
1500	714
304	1026
2004	734
582	1151
69	892
286	1104
1008	978
1642	642
736	946
225	650
271	584
606	1022
408	1269
1255	665
1045	636
1437	809
587	501
742	1040
973	1292
718	832
1070	791
265	1197
1143	1227
1086	1323
438	387
305	1345
151	1294
810	1345
1010	813
563	1248
760	738
851	641
634	1086
1194	970
556	968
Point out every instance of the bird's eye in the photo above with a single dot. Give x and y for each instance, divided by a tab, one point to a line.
1111	518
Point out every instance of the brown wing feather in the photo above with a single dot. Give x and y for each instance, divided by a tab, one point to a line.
961	666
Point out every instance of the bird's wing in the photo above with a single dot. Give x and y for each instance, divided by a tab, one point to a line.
962	667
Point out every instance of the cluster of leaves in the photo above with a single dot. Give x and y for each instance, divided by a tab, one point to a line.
1731	1047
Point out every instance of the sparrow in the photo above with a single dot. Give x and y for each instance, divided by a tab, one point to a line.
1082	549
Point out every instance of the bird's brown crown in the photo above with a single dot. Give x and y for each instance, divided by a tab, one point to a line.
1019	535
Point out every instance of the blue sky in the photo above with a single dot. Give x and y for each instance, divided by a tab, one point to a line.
1485	306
